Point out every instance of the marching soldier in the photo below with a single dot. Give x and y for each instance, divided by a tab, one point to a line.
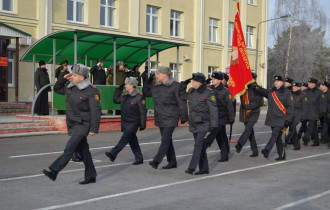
313	102
325	126
298	98
225	115
133	116
279	115
303	127
249	114
202	118
327	109
82	119
169	106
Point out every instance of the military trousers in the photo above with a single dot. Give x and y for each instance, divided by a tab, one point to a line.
166	146
131	139
303	127
248	133
311	131
324	132
79	144
293	136
221	136
196	156
276	138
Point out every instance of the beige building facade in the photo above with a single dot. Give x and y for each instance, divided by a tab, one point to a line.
205	25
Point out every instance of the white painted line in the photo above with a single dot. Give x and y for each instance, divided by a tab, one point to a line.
104	166
99	148
175	183
305	200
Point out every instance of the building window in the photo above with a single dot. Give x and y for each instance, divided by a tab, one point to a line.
11	56
175	72
250	2
6	5
152	20
249	37
210	70
175	24
230	33
153	66
75	10
107	13
213	30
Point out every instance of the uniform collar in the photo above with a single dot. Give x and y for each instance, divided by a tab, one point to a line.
81	85
281	89
133	93
168	82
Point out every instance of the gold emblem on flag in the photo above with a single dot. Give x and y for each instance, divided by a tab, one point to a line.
234	56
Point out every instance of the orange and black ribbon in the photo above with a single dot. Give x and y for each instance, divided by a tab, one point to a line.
278	103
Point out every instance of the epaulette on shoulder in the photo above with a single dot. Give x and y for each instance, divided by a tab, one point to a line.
140	93
175	81
92	85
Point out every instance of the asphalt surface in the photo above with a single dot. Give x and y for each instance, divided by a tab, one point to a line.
300	182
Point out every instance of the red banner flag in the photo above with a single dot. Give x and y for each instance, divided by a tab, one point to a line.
240	72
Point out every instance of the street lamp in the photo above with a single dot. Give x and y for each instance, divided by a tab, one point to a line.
257	47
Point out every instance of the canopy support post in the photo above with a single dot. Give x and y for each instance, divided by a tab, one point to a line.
53	73
34	79
149	63
75	48
177	63
157	59
114	61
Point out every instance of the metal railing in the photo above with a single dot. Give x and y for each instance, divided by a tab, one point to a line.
35	99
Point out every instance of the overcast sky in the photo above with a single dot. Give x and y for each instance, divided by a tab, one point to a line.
325	4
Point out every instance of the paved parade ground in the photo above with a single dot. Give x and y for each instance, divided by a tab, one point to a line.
300	182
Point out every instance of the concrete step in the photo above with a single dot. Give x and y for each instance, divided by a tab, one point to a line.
16	135
26	129
20	124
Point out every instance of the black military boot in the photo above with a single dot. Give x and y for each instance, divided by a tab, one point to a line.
254	154
315	144
238	147
110	156
138	162
189	171
201	172
223	160
170	165
50	174
305	140
88	181
265	153
154	164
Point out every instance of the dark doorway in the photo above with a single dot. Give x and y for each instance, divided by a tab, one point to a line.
4	71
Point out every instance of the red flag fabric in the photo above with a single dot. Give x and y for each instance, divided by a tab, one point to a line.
240	72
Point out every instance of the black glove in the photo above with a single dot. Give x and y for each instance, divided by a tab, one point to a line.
287	123
187	81
141	129
208	81
213	129
121	87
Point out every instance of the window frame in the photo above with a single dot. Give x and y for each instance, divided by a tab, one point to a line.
106	17
11	48
230	33
211	69
249	36
213	28
174	71
7	11
176	20
250	2
156	15
74	11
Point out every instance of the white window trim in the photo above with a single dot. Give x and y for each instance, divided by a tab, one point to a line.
174	71
151	18
75	12
249	2
211	31
107	14
175	20
213	69
248	34
7	11
230	34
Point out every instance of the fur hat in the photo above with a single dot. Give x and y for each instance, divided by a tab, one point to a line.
80	69
305	84
42	62
226	77
199	77
313	80
217	75
132	81
294	83
164	70
289	80
279	78
326	84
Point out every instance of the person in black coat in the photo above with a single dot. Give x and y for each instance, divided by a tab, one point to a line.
225	115
82	119
41	79
168	106
133	116
249	114
279	115
313	101
324	87
98	73
202	118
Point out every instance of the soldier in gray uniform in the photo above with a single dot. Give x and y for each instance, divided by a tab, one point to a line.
226	115
279	115
313	102
133	117
168	106
298	98
202	118
249	115
325	126
82	119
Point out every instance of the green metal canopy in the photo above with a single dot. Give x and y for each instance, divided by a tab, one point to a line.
94	45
